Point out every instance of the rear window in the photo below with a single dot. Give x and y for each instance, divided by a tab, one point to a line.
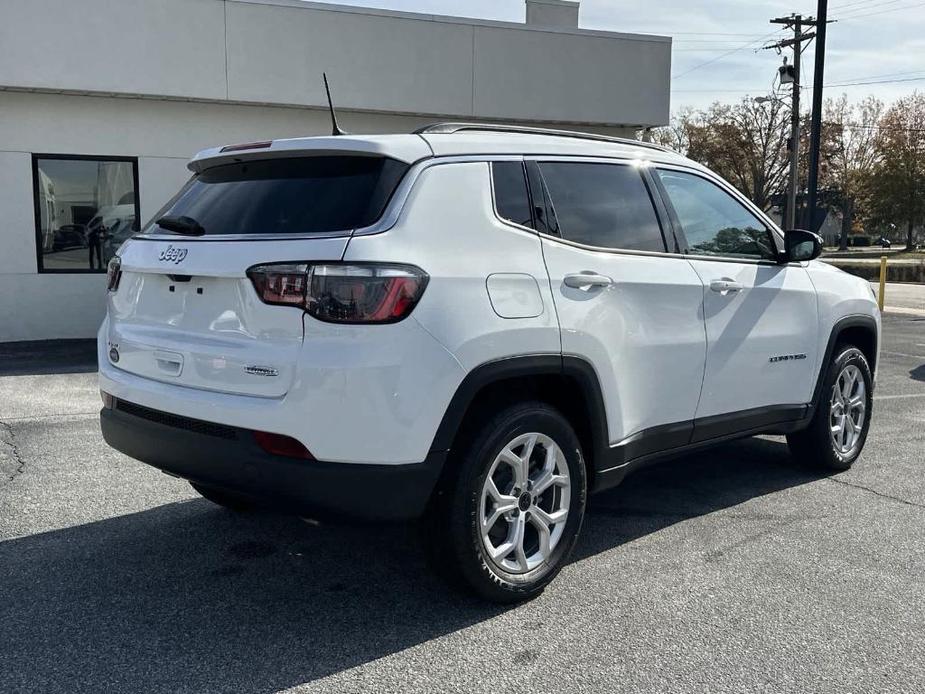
287	196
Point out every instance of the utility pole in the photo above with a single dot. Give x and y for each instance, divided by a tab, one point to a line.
815	130
796	22
795	126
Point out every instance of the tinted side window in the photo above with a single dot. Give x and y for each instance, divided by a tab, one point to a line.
604	205
713	221
511	198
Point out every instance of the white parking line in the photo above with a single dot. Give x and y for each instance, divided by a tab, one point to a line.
897	397
903	354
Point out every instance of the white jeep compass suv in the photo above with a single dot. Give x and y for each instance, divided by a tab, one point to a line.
478	323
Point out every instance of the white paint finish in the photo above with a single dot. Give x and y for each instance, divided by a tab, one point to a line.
840	294
643	333
406	147
277	54
214	335
209	258
514	295
448	229
552	13
49	307
773	314
17	210
564	77
364	394
167	47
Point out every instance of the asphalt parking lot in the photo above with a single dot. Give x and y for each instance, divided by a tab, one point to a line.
730	571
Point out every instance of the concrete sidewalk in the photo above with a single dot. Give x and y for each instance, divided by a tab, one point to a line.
903	298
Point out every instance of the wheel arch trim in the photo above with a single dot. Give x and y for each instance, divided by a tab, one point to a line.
865	322
521	366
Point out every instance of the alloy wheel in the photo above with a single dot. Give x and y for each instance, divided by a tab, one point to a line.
847	409
524	503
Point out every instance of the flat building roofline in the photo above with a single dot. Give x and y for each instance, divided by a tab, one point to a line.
425	17
313	107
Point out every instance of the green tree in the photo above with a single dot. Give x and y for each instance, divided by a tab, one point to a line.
897	183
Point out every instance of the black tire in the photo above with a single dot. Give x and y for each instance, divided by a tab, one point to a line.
455	537
229	500
814	445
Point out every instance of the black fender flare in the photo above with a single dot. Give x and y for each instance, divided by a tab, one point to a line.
866	322
572	367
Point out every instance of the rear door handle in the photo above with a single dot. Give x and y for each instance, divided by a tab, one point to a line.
725	285
579	280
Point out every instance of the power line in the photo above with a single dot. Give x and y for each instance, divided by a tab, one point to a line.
878	12
856	2
723	55
745	90
870	6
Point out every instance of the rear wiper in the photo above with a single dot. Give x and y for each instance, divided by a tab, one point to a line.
181	225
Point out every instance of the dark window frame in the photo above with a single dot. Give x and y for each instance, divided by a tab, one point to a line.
37	211
665	228
678	228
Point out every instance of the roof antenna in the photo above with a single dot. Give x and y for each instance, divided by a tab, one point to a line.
335	129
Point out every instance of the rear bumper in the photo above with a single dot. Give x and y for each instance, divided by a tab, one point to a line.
229	458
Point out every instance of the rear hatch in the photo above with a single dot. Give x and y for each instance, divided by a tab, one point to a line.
184	310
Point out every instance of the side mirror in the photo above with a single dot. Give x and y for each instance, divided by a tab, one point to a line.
801	245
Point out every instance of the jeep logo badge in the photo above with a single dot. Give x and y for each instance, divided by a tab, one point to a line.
172	255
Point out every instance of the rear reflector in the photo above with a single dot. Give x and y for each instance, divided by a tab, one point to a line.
246	145
278	444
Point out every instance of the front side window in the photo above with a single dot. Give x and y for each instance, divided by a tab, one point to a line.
511	198
713	221
604	205
85	207
304	195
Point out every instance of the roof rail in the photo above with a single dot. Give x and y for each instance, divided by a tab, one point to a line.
450	128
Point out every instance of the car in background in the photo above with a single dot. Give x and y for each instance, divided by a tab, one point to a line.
69	236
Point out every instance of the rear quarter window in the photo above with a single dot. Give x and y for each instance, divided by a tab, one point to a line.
512	201
305	195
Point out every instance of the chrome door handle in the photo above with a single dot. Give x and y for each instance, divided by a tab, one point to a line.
725	285
580	280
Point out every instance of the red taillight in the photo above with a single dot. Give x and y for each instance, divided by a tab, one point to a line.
113	274
342	292
278	444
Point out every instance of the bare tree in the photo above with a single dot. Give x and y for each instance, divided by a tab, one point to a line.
674	135
746	143
849	153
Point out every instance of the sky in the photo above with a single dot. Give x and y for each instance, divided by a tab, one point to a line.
715	54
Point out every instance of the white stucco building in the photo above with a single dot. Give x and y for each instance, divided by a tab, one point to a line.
102	103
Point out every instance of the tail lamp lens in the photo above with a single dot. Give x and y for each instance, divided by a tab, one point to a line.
113	274
342	292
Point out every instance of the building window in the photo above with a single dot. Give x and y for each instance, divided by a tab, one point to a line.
85	207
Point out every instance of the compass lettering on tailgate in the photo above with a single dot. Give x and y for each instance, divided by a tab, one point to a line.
172	255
